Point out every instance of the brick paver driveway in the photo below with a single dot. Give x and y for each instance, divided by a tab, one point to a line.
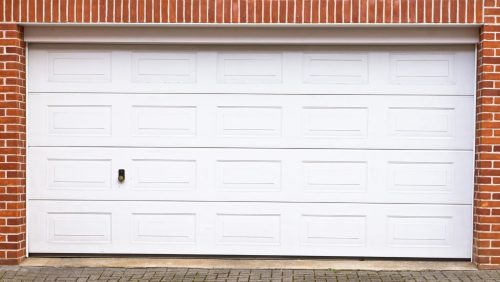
16	273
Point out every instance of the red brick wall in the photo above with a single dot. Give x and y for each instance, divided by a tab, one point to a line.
487	188
12	145
243	11
12	94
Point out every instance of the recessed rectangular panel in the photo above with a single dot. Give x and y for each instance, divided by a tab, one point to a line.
164	174
335	121
249	121
420	177
84	227
79	66
422	68
236	175
419	231
79	120
164	120
249	68
164	67
327	68
325	176
78	174
248	229
422	122
163	228
342	230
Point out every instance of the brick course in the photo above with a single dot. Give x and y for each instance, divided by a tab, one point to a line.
247	11
486	236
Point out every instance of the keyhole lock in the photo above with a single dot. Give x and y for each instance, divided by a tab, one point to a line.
121	175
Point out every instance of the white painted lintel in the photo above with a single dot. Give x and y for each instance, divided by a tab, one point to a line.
332	35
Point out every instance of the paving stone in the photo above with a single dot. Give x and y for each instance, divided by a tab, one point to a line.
61	274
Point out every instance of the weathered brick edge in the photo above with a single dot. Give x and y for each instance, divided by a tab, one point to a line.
486	250
12	144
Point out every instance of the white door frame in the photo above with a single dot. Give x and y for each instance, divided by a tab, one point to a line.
280	34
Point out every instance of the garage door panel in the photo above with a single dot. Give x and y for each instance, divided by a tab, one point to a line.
163	67
251	121
251	150
91	66
79	173
79	227
250	228
388	176
400	70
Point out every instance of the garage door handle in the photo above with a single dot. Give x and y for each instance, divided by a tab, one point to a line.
121	175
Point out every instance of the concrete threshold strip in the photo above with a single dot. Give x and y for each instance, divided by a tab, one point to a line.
255	263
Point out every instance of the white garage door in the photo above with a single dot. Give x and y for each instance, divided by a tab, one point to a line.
247	150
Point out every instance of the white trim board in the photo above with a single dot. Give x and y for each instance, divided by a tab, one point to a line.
294	35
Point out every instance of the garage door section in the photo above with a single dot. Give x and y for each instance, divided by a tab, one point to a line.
248	150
